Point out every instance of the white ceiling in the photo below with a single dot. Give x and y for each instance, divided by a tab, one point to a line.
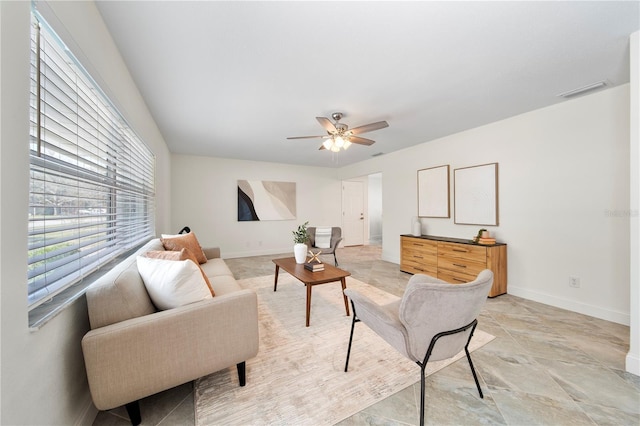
235	79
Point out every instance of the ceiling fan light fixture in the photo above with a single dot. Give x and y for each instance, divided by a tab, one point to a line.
339	136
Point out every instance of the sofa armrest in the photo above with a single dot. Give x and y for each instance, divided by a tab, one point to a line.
211	252
136	358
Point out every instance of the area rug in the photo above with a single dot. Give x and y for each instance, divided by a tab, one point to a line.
298	375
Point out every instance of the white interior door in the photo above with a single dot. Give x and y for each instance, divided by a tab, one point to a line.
352	213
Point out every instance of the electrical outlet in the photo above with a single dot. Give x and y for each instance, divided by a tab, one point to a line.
574	282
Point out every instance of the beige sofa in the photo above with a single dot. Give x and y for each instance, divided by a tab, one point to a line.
134	351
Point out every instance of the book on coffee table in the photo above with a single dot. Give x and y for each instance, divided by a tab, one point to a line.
313	267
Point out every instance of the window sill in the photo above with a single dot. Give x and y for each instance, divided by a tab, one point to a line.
42	314
45	312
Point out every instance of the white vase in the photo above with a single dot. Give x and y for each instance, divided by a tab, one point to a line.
417	227
300	252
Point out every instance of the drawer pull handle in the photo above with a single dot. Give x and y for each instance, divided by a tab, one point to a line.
460	251
459	266
459	280
418	257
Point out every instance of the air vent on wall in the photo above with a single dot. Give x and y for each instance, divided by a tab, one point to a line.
583	89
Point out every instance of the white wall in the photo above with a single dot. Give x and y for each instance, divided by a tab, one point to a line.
204	197
375	207
563	199
633	357
42	372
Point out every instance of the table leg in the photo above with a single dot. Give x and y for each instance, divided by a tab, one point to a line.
275	280
343	281
308	302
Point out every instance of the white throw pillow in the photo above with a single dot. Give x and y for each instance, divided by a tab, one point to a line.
172	283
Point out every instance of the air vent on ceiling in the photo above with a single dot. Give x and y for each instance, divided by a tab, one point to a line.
583	89
378	154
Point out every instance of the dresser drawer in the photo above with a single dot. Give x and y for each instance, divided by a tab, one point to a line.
412	254
418	245
462	251
459	265
420	268
455	277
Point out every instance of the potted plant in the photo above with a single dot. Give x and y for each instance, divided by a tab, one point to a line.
300	238
480	234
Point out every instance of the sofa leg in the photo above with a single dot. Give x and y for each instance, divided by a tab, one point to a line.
242	375
133	410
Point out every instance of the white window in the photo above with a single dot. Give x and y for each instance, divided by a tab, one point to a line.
91	195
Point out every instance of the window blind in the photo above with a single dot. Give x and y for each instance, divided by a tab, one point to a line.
91	194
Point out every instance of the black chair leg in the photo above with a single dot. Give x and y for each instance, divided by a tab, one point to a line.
242	373
422	392
466	350
473	371
335	259
133	410
423	364
353	324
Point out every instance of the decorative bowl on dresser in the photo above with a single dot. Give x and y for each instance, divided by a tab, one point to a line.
454	260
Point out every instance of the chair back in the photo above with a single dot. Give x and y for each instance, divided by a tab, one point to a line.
430	306
336	235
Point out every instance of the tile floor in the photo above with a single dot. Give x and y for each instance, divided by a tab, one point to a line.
547	366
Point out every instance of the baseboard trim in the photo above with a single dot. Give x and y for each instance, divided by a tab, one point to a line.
88	415
261	252
571	305
632	364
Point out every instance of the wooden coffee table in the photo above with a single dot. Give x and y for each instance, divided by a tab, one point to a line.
329	275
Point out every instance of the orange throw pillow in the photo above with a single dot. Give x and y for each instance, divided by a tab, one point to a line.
184	254
188	241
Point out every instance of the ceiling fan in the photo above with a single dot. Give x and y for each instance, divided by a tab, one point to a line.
339	136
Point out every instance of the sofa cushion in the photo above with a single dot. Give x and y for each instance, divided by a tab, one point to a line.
188	241
224	284
216	267
183	254
170	283
117	296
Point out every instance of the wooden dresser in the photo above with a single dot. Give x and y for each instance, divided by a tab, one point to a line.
454	260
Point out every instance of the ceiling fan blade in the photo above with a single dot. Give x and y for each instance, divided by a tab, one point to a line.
361	141
327	124
321	148
369	127
306	137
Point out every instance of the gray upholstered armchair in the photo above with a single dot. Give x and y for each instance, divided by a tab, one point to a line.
433	320
336	237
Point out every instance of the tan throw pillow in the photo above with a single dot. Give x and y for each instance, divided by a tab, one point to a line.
171	284
188	241
183	254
